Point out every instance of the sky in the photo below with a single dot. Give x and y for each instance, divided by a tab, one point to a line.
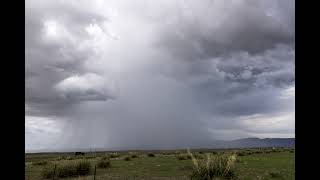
157	74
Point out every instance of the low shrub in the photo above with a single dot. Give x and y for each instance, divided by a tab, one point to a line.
104	163
67	170
275	174
114	155
198	156
83	167
105	158
183	156
151	155
69	158
47	172
134	156
79	168
40	163
127	158
61	158
241	153
89	157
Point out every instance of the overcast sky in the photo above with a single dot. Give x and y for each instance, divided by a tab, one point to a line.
166	73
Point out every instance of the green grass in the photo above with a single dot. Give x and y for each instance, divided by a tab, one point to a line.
166	165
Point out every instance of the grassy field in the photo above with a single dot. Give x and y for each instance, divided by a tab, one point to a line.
250	164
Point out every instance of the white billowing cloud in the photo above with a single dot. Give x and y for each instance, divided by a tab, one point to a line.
288	93
85	87
283	122
55	32
51	28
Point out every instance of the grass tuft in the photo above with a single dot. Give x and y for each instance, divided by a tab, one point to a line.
219	166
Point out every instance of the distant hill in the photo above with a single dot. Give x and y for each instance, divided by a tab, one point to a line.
255	142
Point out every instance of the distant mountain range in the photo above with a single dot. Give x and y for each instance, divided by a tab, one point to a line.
255	142
218	144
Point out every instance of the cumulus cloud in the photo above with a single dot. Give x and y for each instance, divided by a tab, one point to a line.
86	87
136	74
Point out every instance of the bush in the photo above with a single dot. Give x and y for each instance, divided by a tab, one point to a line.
183	157
275	174
134	156
69	158
220	166
114	155
241	153
83	167
127	158
214	152
89	157
105	158
47	172
151	155
61	158
166	153
104	164
198	156
67	170
40	163
79	168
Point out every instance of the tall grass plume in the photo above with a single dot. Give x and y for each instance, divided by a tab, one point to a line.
214	167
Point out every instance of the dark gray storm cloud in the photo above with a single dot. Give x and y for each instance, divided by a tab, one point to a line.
166	74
